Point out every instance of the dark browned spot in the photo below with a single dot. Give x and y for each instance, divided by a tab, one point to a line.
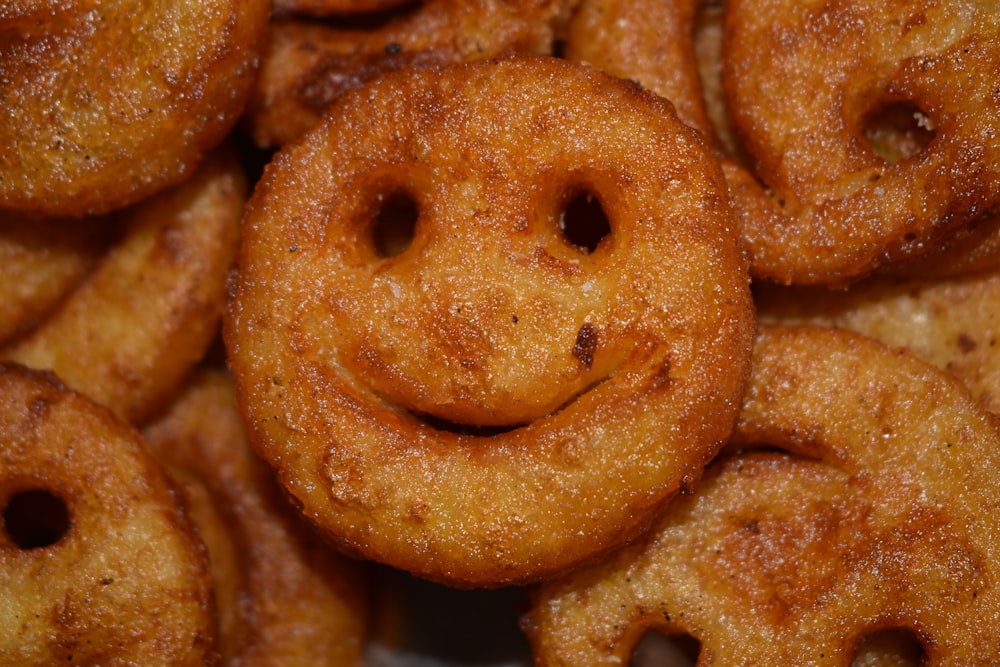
35	518
39	407
334	74
586	344
915	21
966	343
687	485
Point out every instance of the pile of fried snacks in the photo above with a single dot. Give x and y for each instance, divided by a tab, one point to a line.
376	333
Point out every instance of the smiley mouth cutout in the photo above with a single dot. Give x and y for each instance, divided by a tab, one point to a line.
553	344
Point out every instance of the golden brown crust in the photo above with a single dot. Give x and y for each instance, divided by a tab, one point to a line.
954	324
834	208
651	43
802	83
126	582
20	14
107	103
540	401
148	312
308	64
969	250
887	521
290	600
43	261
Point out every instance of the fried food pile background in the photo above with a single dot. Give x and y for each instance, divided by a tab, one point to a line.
552	332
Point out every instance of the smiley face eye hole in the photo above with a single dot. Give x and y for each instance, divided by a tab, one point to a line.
897	130
656	649
901	645
394	225
35	518
583	222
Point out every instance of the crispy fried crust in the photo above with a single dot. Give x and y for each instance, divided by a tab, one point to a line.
954	324
43	261
494	403
127	582
148	312
834	208
287	599
107	102
888	520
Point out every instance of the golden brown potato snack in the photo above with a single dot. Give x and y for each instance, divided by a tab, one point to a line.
107	102
42	262
888	522
285	598
870	127
128	335
337	8
954	324
308	64
542	383
98	564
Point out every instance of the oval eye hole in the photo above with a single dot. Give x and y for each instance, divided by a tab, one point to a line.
892	647
897	131
35	518
395	222
657	649
583	222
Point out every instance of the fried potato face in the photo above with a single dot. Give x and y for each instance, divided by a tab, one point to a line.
885	522
498	359
108	102
836	207
98	563
865	130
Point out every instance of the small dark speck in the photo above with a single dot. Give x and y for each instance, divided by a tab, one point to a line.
687	485
106	581
392	48
514	319
966	343
293	247
586	344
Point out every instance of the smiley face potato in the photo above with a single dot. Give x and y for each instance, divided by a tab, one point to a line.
496	398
